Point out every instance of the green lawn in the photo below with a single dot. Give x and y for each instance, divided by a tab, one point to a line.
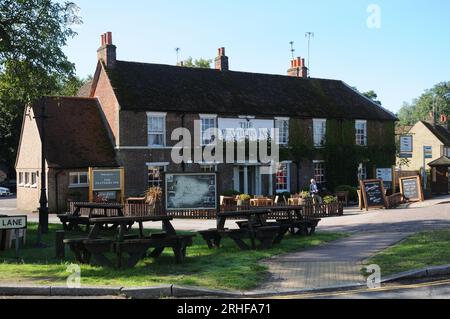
225	268
422	250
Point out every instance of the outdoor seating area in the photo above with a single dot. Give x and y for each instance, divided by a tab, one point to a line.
256	231
125	249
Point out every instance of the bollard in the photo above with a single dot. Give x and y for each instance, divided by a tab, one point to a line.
59	244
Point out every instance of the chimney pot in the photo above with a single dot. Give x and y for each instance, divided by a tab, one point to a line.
298	68
107	52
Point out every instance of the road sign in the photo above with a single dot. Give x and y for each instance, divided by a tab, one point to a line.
406	144
13	222
428	152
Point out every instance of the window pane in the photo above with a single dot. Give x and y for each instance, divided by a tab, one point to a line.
83	178
156	139
282	178
74	179
155	176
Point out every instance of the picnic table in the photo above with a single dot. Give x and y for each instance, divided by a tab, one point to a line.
128	249
292	216
253	228
73	220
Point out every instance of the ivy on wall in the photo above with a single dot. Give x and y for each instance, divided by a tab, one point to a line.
340	153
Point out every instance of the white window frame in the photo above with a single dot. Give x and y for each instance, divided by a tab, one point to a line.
159	115
21	179
288	179
362	171
209	117
78	184
361	139
283	136
35	177
319	136
161	166
324	174
27	179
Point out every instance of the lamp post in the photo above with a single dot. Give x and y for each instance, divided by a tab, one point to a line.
43	208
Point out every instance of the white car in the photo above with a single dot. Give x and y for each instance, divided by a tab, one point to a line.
4	192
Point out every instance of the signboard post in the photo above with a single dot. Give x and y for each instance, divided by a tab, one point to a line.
411	189
427	154
107	183
15	223
373	194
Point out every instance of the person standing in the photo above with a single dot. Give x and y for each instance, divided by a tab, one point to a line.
315	192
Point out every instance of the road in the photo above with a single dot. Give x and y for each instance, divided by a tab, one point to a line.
421	290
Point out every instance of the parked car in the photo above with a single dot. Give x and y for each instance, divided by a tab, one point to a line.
4	192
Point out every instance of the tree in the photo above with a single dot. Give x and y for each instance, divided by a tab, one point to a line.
32	62
420	108
200	63
372	95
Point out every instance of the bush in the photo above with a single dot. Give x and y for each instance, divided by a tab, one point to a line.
329	200
352	192
231	193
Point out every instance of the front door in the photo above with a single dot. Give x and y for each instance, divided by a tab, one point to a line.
247	180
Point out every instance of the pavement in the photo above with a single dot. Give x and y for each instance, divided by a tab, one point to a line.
337	264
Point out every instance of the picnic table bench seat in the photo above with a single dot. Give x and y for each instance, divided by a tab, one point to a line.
82	255
301	227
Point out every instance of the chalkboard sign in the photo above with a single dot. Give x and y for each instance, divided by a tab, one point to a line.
191	191
373	194
411	189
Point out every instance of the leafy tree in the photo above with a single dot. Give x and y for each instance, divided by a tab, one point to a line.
32	63
420	108
372	95
200	63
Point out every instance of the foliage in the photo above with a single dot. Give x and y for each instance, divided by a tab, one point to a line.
419	109
197	63
224	268
330	200
305	195
153	195
352	191
245	197
32	62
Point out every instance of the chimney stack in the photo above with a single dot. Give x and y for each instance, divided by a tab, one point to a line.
298	68
107	51
222	61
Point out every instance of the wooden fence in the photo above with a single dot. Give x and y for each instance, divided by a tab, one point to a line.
142	209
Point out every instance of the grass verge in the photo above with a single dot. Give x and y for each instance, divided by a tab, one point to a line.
225	268
422	250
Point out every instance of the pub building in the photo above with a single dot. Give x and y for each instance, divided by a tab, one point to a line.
126	115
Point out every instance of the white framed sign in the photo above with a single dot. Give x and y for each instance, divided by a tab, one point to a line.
13	222
242	128
406	144
384	174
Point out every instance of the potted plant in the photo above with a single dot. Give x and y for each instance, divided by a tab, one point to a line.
305	199
244	200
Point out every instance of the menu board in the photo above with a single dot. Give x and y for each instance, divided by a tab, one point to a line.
411	189
191	191
373	193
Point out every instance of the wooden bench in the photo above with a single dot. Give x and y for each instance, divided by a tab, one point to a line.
295	222
82	255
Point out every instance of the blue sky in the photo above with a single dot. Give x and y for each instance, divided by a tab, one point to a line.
408	54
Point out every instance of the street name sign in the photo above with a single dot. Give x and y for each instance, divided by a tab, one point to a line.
13	222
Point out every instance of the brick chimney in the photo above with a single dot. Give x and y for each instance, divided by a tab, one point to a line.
222	61
298	68
107	52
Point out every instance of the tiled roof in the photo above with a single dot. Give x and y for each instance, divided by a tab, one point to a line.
440	132
140	86
75	134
